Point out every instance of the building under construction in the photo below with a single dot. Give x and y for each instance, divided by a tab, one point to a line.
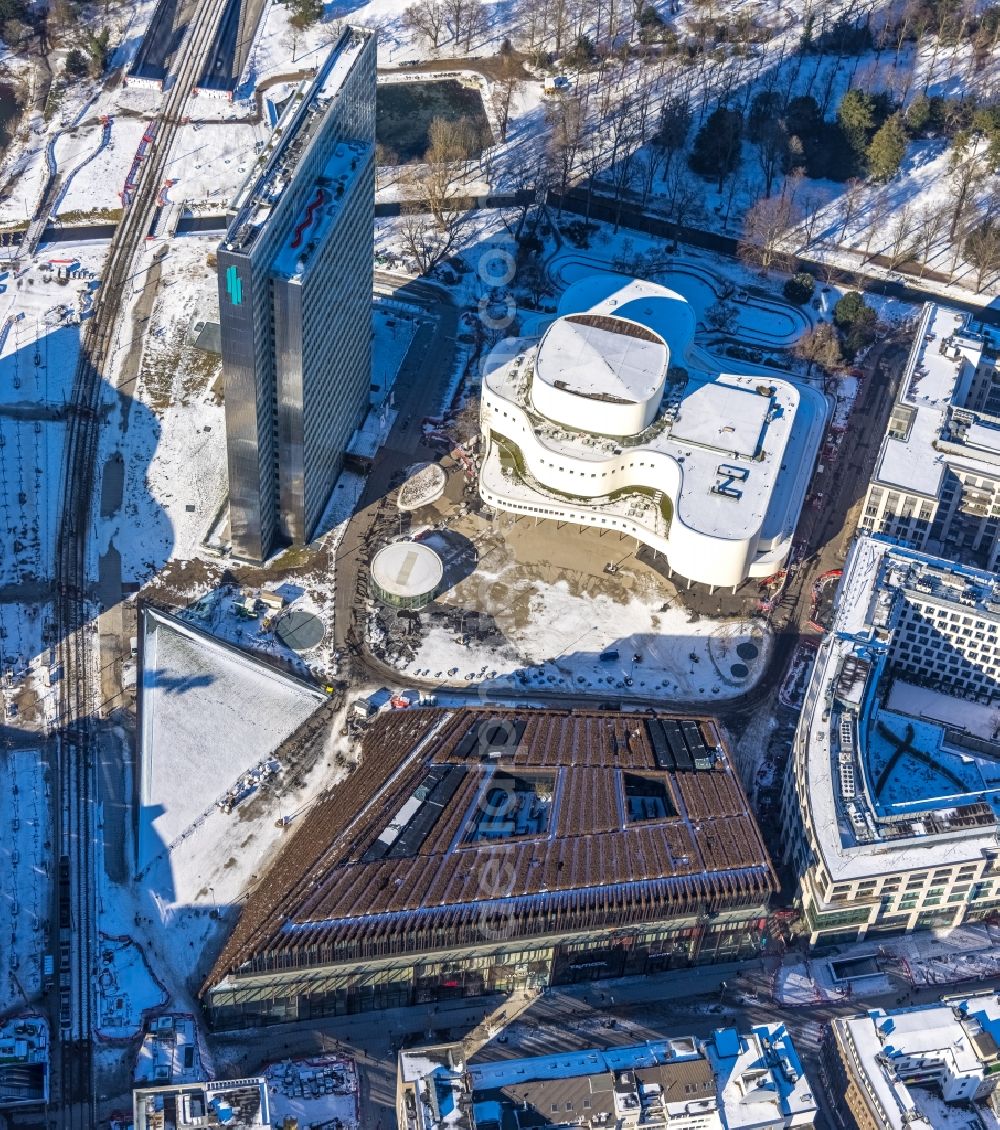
482	850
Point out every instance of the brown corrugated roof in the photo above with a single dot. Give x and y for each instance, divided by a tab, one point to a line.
326	883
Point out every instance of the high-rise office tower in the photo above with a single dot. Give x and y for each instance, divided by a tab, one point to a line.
295	291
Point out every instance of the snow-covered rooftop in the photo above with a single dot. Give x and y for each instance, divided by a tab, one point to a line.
852	846
407	569
760	1078
602	357
310	229
955	1041
263	188
667	313
727	418
925	436
209	713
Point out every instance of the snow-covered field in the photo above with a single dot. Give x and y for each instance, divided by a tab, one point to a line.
27	864
559	647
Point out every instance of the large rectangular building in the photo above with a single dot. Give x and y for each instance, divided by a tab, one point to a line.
918	1068
295	286
892	809
936	483
476	851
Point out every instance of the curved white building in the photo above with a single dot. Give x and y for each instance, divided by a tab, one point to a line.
600	422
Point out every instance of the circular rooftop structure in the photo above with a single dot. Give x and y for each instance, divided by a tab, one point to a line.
600	373
425	483
406	574
300	630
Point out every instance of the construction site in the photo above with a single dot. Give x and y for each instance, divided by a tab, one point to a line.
480	850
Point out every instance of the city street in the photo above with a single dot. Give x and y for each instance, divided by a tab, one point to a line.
685	1002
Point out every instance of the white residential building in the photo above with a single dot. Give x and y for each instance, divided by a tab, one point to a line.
898	1070
936	484
612	419
727	1082
240	1104
759	1079
891	810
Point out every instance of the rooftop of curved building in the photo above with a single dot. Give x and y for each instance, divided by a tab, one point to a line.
668	314
603	357
407	569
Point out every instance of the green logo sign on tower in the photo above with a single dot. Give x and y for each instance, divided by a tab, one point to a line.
234	286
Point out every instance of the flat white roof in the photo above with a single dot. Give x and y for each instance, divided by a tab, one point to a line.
602	360
725	417
407	569
932	381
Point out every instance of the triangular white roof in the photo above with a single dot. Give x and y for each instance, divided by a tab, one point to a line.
209	712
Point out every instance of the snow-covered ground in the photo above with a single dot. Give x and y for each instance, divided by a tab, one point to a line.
393	329
874	968
27	863
559	647
126	990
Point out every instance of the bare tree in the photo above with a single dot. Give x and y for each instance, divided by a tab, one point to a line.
623	129
567	125
982	246
820	346
902	244
424	239
931	222
438	179
878	209
965	176
765	230
772	149
426	18
503	90
387	171
684	196
850	203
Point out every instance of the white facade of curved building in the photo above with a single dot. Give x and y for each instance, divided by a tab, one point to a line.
599	422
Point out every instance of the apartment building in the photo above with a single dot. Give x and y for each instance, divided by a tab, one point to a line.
890	812
750	1081
936	484
904	1069
295	287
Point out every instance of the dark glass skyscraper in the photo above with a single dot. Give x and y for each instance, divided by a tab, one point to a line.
295	289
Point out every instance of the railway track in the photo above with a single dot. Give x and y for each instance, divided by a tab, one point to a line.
74	1101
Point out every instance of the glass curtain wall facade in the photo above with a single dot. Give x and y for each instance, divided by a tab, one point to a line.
296	336
500	968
